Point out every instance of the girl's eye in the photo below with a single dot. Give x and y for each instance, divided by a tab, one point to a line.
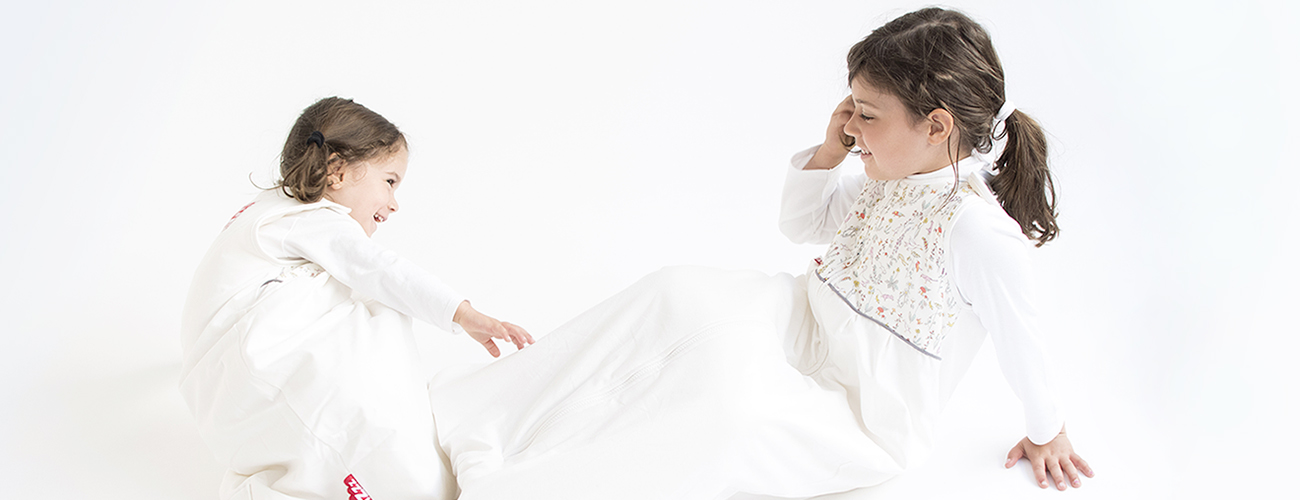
864	117
391	182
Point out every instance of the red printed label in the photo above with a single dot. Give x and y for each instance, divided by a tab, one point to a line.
233	217
355	491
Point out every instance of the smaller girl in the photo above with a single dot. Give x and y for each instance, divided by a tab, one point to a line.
300	363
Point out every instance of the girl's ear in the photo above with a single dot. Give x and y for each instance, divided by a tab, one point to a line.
335	177
940	125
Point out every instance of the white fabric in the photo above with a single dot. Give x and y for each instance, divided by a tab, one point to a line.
697	383
297	377
677	387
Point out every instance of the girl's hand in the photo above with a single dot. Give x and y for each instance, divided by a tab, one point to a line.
1057	457
483	328
837	144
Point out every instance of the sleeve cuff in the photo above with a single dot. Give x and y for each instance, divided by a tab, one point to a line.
807	180
450	314
1045	432
801	159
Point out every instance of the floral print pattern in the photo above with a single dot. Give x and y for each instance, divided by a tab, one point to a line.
888	263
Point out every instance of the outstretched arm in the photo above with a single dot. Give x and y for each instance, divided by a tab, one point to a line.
1056	457
337	243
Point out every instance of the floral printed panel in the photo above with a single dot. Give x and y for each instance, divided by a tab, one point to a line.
888	263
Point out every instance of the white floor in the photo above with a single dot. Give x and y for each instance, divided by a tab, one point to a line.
121	431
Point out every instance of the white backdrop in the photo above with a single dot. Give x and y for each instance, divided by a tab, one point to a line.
562	150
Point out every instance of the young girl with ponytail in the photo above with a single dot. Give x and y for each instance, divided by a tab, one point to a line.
933	244
299	360
697	383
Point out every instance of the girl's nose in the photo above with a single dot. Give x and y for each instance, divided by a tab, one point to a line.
850	127
392	205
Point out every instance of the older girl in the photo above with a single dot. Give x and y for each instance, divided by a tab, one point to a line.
697	383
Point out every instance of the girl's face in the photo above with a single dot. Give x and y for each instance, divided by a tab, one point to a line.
368	189
894	143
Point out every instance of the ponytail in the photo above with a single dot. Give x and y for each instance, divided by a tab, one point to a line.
1023	184
329	135
306	174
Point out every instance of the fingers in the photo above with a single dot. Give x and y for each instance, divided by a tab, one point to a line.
518	335
527	335
1054	467
505	331
491	347
498	330
1040	472
835	136
846	105
1014	455
1081	464
1071	472
511	333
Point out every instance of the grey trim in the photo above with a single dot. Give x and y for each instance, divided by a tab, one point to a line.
874	320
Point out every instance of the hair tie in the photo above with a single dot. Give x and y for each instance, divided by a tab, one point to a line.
316	138
1008	107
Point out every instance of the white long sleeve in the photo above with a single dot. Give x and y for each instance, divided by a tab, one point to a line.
990	271
339	245
814	202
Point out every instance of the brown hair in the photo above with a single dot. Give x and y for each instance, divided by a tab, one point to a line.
940	59
348	133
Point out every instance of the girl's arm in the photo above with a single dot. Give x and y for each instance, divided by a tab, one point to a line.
817	194
991	270
339	245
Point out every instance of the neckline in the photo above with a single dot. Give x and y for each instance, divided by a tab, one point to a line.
965	167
